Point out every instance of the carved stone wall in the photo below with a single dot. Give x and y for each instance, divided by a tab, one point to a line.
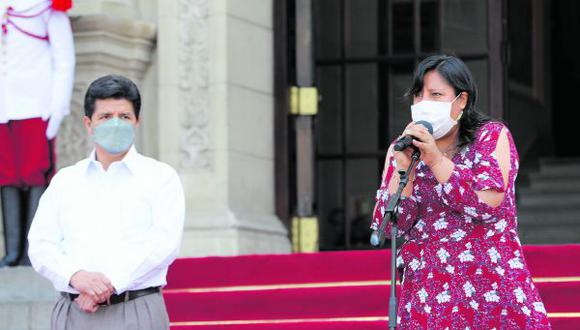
194	83
72	141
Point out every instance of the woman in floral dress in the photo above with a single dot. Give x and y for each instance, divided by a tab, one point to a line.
462	262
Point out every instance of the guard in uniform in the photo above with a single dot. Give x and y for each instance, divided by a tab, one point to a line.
36	81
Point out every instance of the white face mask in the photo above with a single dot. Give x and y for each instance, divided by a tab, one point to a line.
437	113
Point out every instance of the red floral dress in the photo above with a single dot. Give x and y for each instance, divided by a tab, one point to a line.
462	263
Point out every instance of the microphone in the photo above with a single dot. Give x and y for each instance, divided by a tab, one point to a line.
407	140
378	235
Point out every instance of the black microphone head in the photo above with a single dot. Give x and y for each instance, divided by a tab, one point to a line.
427	125
403	143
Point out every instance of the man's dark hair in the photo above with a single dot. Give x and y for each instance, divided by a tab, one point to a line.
456	73
112	87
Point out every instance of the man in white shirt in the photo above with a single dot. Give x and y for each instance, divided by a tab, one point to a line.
37	62
108	227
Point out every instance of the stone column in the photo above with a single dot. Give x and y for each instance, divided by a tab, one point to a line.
216	122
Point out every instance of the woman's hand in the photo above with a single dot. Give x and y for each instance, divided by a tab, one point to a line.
403	157
424	141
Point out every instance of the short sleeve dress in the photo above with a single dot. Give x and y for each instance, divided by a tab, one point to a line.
462	263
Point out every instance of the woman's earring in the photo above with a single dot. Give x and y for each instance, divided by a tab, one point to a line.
459	117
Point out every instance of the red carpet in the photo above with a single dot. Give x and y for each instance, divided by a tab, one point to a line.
330	290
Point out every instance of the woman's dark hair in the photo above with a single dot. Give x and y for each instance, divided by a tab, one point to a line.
456	73
112	87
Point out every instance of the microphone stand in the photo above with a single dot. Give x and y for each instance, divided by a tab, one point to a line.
378	236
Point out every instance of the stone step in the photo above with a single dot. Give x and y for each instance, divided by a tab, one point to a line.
553	177
569	200
558	175
559	161
548	188
22	283
548	218
550	235
561	168
549	206
564	187
26	299
19	315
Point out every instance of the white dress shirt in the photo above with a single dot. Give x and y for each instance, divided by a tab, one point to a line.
36	76
125	222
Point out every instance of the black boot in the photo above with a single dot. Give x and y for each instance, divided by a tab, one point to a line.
11	214
34	194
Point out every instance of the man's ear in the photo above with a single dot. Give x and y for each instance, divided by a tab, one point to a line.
87	124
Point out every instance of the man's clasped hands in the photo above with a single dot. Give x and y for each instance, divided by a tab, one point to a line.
94	288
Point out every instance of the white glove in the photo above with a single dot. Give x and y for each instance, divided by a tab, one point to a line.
53	125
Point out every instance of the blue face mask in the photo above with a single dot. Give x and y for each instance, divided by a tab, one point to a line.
114	135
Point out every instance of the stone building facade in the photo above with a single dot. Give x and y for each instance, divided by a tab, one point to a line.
205	71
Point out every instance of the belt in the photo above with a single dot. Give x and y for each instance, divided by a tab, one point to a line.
119	298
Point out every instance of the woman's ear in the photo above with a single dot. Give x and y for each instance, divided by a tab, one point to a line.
463	100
